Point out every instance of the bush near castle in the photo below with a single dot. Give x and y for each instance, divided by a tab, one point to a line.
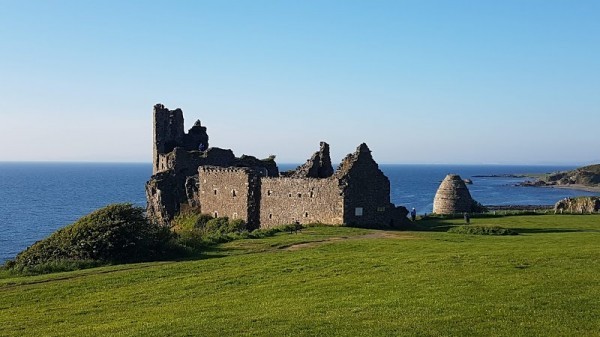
121	233
117	233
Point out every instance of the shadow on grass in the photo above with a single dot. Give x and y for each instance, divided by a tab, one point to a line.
443	225
548	230
220	250
430	225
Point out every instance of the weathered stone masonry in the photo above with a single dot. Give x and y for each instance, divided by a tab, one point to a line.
231	191
357	193
174	184
215	182
453	197
306	200
169	134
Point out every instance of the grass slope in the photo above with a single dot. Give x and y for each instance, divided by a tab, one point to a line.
336	281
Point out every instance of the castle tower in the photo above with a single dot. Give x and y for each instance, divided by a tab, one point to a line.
453	197
169	133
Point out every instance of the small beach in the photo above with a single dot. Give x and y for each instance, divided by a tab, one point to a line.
576	187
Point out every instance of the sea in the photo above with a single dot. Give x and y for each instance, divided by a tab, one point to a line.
38	198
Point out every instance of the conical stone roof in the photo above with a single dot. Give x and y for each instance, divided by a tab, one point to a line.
453	197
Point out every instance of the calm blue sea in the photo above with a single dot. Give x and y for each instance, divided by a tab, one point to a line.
38	198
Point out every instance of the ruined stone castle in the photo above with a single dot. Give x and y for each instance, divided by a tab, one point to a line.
190	175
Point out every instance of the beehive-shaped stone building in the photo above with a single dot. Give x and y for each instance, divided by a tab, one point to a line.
453	197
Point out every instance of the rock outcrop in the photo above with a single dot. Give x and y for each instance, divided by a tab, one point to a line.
453	197
578	205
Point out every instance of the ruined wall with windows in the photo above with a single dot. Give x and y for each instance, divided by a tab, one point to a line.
366	191
357	193
233	192
306	200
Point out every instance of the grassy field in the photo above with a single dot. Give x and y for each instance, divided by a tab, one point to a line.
336	281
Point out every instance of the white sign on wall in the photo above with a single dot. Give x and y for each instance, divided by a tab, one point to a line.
358	211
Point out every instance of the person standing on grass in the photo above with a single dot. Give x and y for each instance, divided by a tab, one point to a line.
413	214
467	218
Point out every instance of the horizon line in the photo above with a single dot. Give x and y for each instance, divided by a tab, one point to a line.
297	163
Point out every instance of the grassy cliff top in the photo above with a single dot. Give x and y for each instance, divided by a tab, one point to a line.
583	176
590	168
336	281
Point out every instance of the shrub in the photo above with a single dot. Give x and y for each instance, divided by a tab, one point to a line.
117	233
217	226
264	232
193	239
189	220
223	225
202	219
294	227
208	230
481	230
221	230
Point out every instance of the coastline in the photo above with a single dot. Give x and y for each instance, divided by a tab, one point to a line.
578	187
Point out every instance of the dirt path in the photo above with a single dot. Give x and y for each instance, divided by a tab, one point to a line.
376	235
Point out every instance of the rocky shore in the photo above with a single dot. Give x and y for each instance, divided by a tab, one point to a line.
518	207
501	176
585	178
541	183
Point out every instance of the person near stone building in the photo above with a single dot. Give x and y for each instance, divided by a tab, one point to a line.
413	214
296	226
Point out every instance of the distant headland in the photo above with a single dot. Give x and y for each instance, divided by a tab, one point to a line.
586	178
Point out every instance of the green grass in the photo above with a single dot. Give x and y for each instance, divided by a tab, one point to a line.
481	230
341	281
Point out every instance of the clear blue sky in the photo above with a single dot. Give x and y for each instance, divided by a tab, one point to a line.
511	82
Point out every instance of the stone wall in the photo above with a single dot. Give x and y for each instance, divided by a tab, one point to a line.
176	158
169	190
318	166
366	192
230	192
195	136
251	189
187	162
307	200
168	132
